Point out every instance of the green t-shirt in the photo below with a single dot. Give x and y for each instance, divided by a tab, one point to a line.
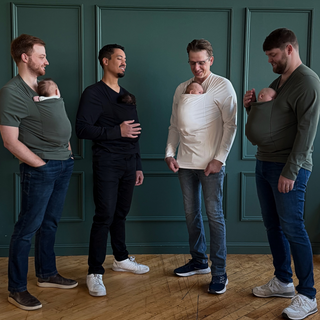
44	126
284	129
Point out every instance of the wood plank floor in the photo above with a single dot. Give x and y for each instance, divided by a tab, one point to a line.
158	295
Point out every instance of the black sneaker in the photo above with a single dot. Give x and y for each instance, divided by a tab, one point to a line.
24	300
218	284
191	268
57	281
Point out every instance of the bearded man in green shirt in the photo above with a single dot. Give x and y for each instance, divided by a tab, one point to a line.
284	130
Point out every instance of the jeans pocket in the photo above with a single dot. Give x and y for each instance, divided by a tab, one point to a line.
43	166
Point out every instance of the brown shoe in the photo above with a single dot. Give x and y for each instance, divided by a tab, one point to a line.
57	281
24	300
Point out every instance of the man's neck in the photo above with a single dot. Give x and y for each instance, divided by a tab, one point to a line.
30	79
111	81
201	80
285	76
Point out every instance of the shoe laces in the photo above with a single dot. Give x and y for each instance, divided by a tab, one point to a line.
218	279
299	301
133	259
270	284
97	278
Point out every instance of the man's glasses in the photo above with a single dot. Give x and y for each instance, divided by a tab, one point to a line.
200	63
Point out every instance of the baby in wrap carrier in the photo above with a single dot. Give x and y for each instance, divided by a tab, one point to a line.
51	106
194	88
47	89
266	94
258	125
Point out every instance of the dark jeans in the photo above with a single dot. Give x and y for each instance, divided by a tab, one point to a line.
43	192
114	177
283	218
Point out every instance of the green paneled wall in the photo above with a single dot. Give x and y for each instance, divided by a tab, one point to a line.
155	35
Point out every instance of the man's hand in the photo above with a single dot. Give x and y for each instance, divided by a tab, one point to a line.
213	166
172	164
139	178
130	129
285	185
249	97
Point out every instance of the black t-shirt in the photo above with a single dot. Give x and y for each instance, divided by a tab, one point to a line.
99	117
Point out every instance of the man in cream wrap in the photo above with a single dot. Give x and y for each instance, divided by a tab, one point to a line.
204	127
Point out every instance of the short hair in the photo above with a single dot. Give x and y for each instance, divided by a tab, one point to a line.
127	98
46	87
107	51
280	38
24	44
199	45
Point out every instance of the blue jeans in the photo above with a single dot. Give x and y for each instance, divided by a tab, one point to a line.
283	218
43	192
191	182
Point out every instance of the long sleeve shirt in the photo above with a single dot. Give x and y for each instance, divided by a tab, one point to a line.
205	129
284	129
99	117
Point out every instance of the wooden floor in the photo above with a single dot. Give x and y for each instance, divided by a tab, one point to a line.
158	295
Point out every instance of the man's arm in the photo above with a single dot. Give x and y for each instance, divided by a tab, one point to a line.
173	133
18	149
307	110
229	117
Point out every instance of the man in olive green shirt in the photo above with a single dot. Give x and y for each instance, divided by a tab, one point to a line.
284	130
39	138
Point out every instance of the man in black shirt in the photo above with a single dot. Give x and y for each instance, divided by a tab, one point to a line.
114	129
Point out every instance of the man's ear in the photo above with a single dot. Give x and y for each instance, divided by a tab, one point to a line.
289	48
211	60
105	61
24	57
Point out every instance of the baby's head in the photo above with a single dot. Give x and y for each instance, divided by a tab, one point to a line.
194	88
48	88
127	98
267	94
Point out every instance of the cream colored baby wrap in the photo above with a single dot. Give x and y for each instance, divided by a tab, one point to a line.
196	114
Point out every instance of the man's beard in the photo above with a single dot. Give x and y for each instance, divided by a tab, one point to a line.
120	75
281	65
36	70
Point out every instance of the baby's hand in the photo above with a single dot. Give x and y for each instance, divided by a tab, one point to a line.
36	98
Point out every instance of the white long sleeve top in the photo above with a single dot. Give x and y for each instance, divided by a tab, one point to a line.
204	126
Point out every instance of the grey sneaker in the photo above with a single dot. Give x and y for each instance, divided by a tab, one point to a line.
57	281
129	265
274	288
300	307
24	300
95	285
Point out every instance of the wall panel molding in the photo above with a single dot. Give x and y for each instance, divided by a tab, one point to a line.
244	216
100	9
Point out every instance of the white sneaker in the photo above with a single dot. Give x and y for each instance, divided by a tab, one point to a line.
300	307
95	285
129	265
274	288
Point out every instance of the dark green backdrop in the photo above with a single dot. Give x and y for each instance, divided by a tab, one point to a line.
155	35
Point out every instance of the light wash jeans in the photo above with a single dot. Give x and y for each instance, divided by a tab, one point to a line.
283	218
191	182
